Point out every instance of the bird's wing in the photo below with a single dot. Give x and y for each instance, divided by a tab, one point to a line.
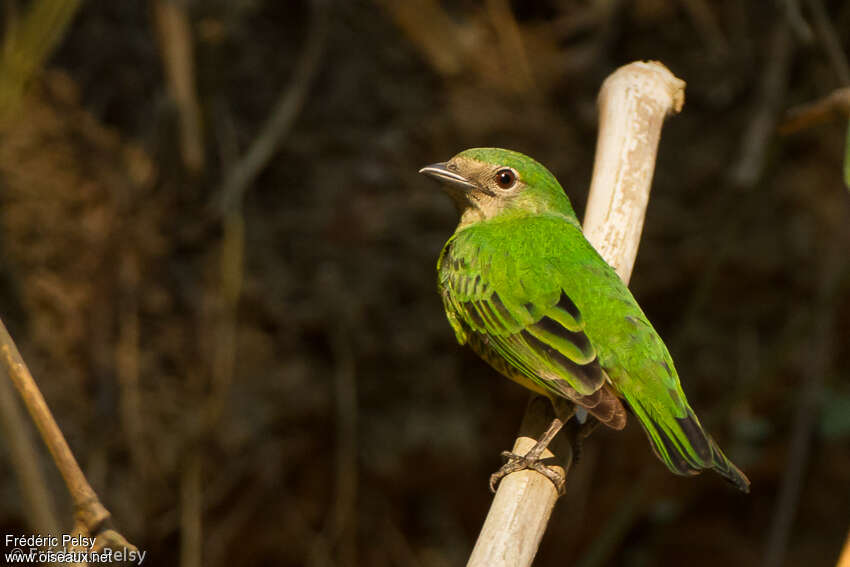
652	390
536	328
641	370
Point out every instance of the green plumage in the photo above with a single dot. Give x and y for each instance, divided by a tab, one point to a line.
524	288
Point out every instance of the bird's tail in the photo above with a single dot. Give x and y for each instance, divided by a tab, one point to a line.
686	449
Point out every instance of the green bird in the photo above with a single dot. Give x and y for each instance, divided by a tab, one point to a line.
531	296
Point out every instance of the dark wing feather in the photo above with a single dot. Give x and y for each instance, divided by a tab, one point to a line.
542	342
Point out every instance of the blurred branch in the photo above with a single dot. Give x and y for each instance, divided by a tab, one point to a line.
490	48
90	516
24	459
835	105
831	41
511	45
746	172
844	559
286	110
28	45
795	19
237	179
175	39
771	93
633	103
838	100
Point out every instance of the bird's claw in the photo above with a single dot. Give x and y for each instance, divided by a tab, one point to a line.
515	463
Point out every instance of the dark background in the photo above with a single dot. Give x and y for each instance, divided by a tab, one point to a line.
283	372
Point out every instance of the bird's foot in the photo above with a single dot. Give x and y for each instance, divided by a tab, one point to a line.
515	463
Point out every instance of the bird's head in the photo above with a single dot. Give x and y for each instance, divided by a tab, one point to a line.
486	183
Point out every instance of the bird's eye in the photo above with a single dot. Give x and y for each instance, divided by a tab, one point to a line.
505	178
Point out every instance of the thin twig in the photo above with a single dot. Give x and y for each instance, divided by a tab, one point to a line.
89	513
239	177
287	108
835	105
231	271
633	103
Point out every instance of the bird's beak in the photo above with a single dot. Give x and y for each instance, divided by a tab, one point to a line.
441	172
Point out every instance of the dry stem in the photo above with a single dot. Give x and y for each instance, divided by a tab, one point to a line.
835	105
175	39
633	103
89	514
766	107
